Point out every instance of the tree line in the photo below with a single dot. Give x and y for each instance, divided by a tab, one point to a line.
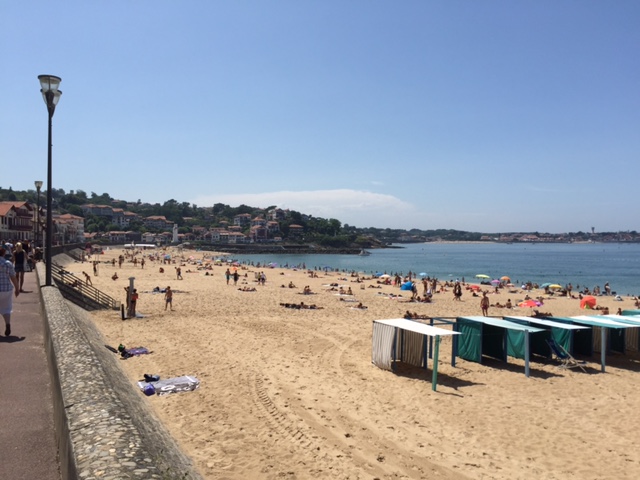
326	232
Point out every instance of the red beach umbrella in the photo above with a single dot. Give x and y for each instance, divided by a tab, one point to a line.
588	302
529	303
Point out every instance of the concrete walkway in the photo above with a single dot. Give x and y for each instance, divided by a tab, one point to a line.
27	436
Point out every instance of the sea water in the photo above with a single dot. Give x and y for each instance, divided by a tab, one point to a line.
582	265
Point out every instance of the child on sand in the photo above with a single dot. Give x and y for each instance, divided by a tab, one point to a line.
168	298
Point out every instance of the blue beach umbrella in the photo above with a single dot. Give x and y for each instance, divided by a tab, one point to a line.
422	274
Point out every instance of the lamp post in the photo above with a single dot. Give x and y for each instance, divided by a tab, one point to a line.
51	95
38	184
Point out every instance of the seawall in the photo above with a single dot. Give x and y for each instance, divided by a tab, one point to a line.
104	427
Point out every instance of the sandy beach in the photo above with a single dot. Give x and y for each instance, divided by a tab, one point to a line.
292	393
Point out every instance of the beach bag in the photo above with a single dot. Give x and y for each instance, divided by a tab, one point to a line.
149	390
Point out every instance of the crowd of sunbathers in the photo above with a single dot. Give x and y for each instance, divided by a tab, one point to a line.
506	305
340	289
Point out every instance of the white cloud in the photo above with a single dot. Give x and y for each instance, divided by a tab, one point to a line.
354	207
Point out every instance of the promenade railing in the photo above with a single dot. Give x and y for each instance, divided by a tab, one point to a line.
80	293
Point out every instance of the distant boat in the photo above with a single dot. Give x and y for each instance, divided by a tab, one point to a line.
364	253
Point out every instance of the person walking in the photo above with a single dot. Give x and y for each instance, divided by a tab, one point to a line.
9	287
19	263
457	291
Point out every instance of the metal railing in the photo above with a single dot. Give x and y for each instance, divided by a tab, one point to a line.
76	290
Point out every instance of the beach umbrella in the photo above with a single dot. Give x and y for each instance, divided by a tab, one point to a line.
556	286
588	302
545	285
529	303
505	278
475	287
481	275
495	281
385	276
422	274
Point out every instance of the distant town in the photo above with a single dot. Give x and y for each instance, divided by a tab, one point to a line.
82	218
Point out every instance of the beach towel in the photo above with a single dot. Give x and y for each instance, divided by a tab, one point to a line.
133	352
137	351
184	383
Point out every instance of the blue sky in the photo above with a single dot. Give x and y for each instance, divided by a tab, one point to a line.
491	116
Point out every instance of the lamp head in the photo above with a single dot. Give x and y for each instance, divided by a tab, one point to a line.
38	184
49	90
49	83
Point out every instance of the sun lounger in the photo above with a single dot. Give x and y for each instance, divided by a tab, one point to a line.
565	358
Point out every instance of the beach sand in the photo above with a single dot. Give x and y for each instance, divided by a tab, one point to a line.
293	394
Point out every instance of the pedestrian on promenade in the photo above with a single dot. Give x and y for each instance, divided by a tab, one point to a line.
20	264
9	287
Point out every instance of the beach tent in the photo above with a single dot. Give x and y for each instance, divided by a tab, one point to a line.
562	333
631	336
605	324
407	286
405	340
493	337
633	341
616	338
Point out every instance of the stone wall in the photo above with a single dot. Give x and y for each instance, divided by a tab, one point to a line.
104	427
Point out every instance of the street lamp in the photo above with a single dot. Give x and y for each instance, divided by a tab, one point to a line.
38	184
51	95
